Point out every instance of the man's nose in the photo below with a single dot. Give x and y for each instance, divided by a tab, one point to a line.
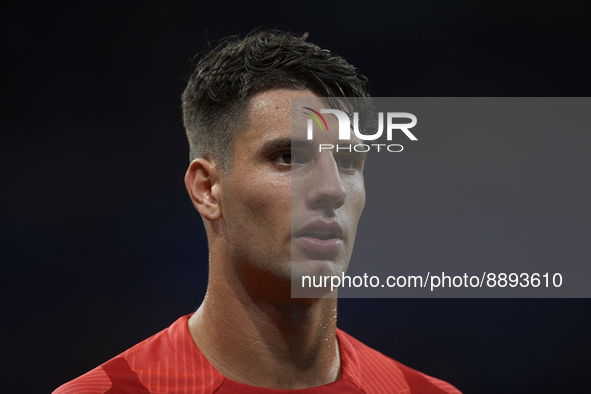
326	190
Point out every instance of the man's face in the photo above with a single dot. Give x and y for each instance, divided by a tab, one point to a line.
285	204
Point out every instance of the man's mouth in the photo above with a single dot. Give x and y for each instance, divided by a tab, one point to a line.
320	236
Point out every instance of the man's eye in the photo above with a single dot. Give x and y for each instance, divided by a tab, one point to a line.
289	158
346	163
283	158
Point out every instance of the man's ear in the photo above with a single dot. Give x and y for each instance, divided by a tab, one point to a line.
203	184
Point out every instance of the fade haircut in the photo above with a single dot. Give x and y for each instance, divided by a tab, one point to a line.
223	81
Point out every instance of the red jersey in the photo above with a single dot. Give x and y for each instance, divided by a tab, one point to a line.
170	362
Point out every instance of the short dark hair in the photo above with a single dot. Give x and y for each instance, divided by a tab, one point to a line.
223	81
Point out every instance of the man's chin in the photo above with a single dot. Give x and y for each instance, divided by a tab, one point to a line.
311	279
316	267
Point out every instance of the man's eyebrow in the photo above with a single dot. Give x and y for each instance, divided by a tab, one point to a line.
345	148
285	143
280	143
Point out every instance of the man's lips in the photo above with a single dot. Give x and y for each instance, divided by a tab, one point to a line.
320	236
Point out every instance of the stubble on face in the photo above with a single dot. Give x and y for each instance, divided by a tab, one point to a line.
256	197
258	206
328	199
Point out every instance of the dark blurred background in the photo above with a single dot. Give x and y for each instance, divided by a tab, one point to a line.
100	245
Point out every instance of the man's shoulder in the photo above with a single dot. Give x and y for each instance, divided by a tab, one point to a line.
95	381
161	363
376	371
115	371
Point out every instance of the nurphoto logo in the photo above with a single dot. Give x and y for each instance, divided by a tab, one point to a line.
345	129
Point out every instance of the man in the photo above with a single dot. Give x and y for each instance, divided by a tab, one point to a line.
266	205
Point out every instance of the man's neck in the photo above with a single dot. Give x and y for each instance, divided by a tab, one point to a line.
266	342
